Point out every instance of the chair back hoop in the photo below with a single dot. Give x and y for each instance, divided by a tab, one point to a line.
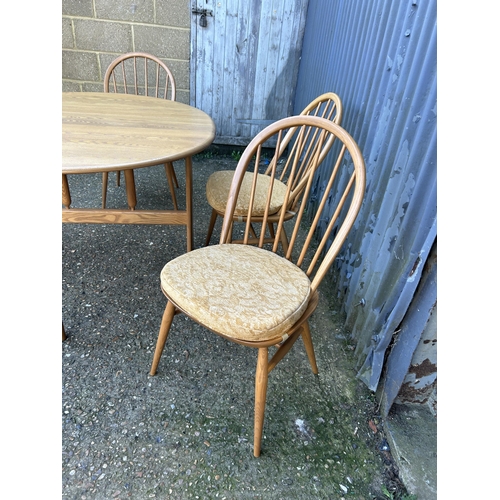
328	106
337	198
141	74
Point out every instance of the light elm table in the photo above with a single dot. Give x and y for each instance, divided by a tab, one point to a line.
121	132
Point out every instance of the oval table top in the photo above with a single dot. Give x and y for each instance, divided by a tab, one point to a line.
108	132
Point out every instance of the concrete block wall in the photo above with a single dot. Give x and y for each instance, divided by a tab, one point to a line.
94	32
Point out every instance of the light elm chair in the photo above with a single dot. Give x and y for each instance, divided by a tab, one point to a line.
329	106
252	294
141	74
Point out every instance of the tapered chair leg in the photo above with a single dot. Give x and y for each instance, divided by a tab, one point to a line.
104	188
253	233
166	322
176	182
270	227
229	238
66	195
284	241
306	338
213	219
261	376
172	181
63	333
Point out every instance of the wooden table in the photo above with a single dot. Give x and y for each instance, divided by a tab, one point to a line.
109	132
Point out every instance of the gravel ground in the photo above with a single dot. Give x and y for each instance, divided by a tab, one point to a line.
188	431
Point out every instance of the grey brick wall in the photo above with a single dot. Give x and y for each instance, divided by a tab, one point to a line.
94	32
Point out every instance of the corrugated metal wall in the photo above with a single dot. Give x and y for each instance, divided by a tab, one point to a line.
379	56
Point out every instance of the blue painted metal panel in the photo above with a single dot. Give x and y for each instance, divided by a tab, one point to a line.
380	57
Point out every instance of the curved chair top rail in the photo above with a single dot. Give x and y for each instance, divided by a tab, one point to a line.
141	74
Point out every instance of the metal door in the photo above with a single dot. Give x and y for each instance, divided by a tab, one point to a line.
244	63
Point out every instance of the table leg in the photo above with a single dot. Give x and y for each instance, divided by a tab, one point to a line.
66	196
189	203
130	185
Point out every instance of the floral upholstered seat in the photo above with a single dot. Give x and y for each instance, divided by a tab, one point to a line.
238	291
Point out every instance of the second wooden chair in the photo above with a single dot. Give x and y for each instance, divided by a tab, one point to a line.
328	106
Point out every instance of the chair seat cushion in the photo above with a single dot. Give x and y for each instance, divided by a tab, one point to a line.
218	185
240	291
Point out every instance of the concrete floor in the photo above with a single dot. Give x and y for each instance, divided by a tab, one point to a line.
411	432
188	431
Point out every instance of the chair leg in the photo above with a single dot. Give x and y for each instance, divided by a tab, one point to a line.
117	177
252	231
176	182
229	238
270	227
66	195
306	338
104	188
166	322
213	219
284	241
283	236
172	180
261	377
63	333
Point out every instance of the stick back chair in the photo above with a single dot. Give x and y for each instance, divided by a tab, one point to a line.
140	73
329	106
253	295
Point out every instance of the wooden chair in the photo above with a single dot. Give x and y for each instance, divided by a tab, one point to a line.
141	74
252	295
327	106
